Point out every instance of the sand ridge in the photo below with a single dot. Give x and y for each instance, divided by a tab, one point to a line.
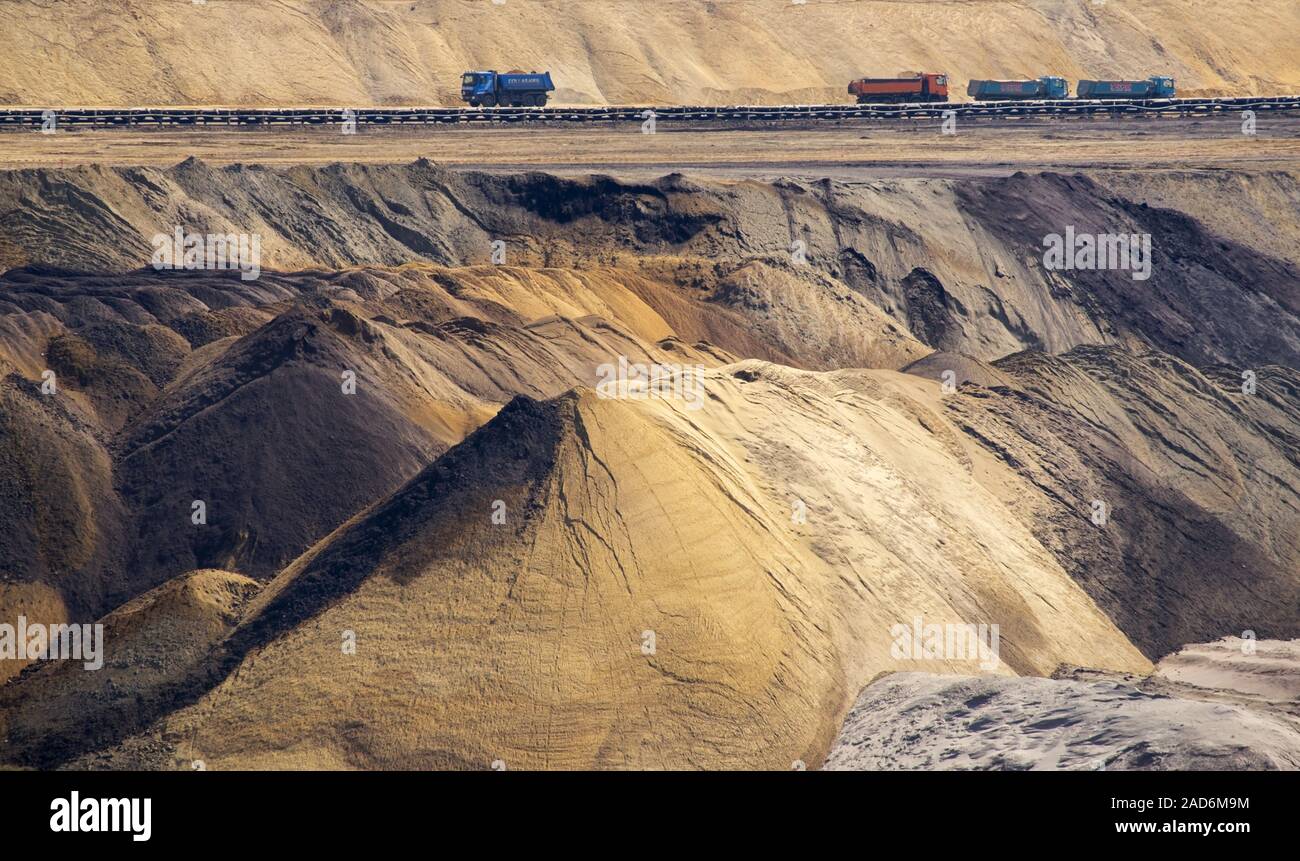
369	52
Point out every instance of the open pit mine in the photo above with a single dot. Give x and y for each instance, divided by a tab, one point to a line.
449	385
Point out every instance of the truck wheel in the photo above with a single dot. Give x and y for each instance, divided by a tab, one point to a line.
489	101
473	103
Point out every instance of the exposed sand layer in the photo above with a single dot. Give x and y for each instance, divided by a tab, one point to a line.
364	52
954	264
1184	467
1211	707
533	573
158	371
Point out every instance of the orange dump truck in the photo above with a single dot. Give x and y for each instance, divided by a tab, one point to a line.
907	87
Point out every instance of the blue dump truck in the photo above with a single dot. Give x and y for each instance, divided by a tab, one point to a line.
1155	87
1046	87
513	89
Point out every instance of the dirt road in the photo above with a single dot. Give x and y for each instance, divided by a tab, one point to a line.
852	149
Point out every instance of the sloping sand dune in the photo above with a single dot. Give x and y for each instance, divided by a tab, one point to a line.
670	588
365	52
253	416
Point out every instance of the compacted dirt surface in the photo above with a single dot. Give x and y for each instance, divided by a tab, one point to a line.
843	150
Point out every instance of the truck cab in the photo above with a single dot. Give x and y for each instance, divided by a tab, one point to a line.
474	86
1162	87
1055	87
